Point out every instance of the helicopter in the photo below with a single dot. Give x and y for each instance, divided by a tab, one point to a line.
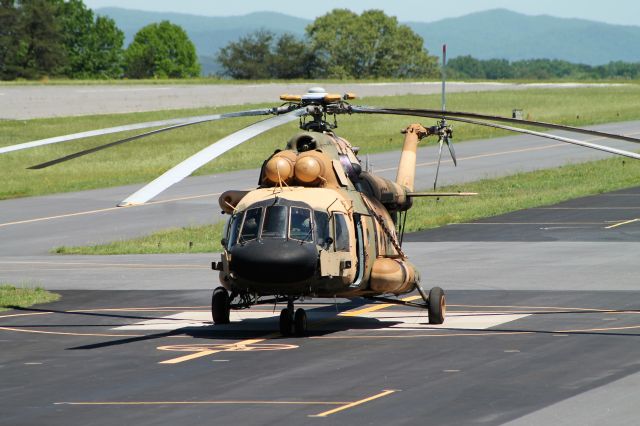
318	224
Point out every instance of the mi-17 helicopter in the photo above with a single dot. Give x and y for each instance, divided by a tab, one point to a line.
318	224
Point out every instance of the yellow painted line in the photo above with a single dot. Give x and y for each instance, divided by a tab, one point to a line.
62	333
599	329
201	402
374	308
587	208
24	315
413	336
527	223
231	348
355	403
132	265
474	157
606	311
626	222
108	209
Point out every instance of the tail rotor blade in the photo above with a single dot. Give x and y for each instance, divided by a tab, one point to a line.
435	181
451	151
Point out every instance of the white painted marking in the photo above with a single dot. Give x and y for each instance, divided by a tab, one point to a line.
397	320
32	363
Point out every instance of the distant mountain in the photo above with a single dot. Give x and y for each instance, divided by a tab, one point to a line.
208	33
508	35
484	35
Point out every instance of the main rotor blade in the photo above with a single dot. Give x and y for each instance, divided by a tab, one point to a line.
454	114
136	126
499	126
193	163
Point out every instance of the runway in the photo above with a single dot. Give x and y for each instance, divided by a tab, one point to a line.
40	101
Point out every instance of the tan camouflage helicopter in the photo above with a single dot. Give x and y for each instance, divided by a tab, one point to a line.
317	225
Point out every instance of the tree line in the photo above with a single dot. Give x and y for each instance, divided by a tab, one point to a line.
60	38
340	44
538	69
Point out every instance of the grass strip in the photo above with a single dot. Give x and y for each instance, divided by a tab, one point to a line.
145	159
24	296
189	239
496	196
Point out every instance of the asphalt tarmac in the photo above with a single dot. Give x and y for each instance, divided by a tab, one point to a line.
564	352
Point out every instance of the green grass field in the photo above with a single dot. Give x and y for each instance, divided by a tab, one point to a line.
143	160
23	296
496	196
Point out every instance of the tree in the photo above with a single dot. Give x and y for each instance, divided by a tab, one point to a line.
161	51
39	43
262	55
248	58
93	46
370	45
8	36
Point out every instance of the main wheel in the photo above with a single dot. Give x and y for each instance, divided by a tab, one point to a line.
437	306
300	322
220	306
286	322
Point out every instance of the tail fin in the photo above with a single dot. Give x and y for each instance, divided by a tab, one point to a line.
407	167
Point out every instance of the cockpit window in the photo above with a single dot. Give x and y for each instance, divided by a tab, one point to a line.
342	233
233	229
251	225
275	222
322	227
300	227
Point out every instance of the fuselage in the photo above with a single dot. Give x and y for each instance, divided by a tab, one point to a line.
316	226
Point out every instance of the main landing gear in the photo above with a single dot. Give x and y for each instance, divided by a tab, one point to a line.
220	306
293	324
436	304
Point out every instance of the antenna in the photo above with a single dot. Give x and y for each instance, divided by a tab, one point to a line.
444	79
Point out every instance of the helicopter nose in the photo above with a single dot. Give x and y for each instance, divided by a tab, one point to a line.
274	260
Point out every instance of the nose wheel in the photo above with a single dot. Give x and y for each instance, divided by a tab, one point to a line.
293	323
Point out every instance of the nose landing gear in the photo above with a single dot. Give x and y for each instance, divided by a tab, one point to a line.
293	324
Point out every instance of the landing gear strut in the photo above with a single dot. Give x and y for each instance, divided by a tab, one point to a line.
291	323
220	306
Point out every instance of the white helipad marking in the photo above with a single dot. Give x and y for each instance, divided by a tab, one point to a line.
193	319
416	320
391	320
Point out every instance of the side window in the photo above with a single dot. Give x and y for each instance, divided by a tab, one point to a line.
322	227
341	232
233	229
300	224
251	224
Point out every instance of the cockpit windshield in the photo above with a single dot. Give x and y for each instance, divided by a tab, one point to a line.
275	222
280	221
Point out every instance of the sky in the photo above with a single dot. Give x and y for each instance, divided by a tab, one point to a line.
623	12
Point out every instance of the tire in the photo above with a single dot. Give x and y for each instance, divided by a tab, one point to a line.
437	306
220	306
300	322
286	322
